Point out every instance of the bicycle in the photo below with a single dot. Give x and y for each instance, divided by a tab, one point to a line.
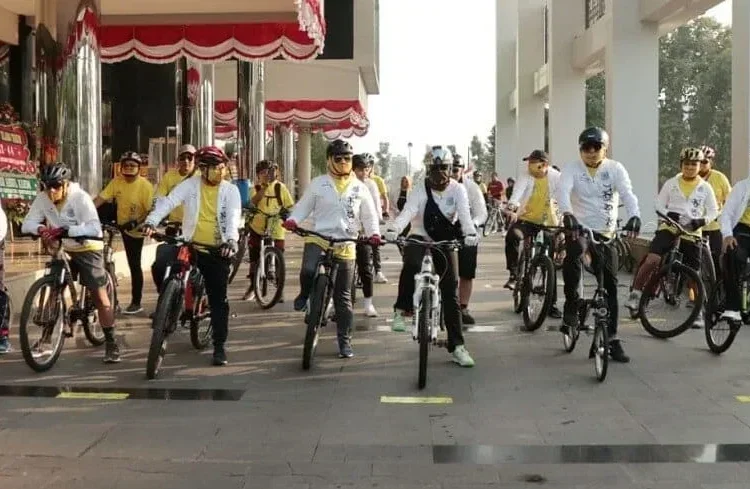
109	230
59	306
673	278
535	257
182	300
322	292
270	269
239	257
625	260
427	319
716	305
598	305
495	221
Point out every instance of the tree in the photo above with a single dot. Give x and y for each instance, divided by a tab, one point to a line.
452	149
478	153
318	145
383	163
490	153
595	93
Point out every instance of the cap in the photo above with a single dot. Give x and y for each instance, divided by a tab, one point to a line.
187	148
537	154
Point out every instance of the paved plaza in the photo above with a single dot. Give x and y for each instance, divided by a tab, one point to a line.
528	415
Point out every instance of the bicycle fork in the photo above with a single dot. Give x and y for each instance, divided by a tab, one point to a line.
426	279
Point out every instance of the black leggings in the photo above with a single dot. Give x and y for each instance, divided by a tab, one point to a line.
133	249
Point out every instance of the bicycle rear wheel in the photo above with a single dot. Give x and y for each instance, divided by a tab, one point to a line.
423	336
167	314
518	300
92	326
42	308
275	275
317	309
667	287
720	334
489	225
533	317
201	328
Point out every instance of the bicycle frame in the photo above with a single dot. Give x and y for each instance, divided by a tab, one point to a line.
427	279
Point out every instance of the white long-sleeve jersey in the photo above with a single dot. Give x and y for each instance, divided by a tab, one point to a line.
453	203
338	215
477	205
594	200
735	207
701	204
524	188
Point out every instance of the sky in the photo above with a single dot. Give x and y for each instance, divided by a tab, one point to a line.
437	74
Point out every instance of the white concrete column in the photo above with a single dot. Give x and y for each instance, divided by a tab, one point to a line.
567	85
740	89
632	111
529	60
506	132
304	159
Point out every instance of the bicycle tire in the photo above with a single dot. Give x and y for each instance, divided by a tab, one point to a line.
571	340
236	262
518	304
318	306
111	270
714	309
654	283
23	327
168	310
621	253
487	229
280	278
201	311
600	349
544	263
423	337
708	271
88	328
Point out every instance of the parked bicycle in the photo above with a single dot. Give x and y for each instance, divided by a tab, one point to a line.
53	306
110	230
183	300
321	295
427	320
239	258
495	221
677	285
268	278
598	305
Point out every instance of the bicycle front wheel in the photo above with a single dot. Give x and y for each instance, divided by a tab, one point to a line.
600	350
664	298
489	225
200	322
423	336
317	309
167	313
518	299
42	313
269	288
538	293
720	334
236	262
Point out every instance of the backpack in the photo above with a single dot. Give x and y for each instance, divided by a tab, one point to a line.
439	227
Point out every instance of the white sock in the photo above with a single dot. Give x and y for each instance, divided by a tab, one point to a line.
368	302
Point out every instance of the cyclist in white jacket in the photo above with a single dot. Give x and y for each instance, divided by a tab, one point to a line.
340	205
467	255
212	209
588	194
735	230
689	200
438	210
69	210
362	165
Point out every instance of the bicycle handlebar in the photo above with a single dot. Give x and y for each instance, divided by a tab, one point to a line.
672	222
590	235
177	240
426	244
309	232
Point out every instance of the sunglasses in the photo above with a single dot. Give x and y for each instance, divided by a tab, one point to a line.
586	147
442	168
342	158
185	158
51	186
705	162
690	163
456	169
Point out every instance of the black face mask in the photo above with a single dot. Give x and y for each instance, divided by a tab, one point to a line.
439	176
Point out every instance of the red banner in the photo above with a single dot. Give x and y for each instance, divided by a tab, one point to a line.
14	150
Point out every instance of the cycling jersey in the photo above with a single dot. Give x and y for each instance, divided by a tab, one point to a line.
477	206
338	207
169	181
453	203
372	186
77	213
134	200
694	199
721	187
207	227
382	189
188	195
496	189
269	204
593	200
535	197
736	209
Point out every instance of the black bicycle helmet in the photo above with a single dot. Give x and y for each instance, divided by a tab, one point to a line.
263	165
211	156
339	147
594	135
131	156
55	173
458	161
359	162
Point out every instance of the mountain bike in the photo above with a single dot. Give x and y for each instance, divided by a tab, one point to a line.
270	271
538	277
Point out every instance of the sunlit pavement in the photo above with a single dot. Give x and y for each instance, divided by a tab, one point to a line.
528	415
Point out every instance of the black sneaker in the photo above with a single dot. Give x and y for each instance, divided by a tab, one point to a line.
511	283
219	357
554	312
570	320
111	352
467	318
616	352
133	309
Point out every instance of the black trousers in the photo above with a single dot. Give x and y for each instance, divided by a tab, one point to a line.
602	257
133	250
514	240
165	255
735	262
715	241
446	266
215	271
364	267
376	258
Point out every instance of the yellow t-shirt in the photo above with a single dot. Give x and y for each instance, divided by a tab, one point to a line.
134	200
720	183
168	182
342	251
483	188
207	229
270	205
538	209
381	186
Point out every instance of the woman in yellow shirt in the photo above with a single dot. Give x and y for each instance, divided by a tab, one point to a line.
134	196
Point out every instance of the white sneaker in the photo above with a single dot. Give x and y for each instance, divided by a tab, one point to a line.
461	356
330	310
731	316
699	321
380	278
634	300
370	311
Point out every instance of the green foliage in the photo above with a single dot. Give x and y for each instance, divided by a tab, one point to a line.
318	145
383	163
595	93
